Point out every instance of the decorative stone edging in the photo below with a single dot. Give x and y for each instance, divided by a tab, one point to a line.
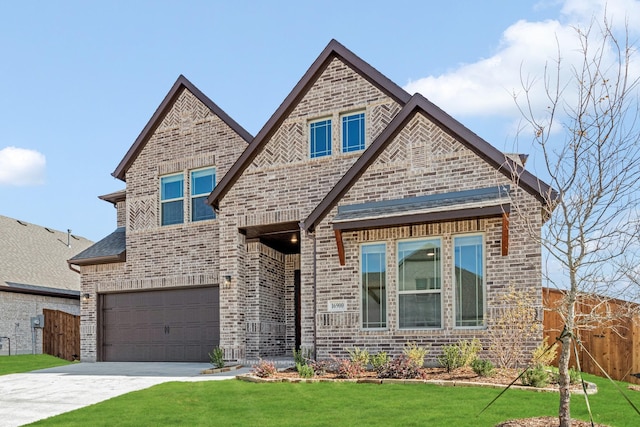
218	370
591	387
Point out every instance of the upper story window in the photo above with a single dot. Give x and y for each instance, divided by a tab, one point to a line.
353	132
320	138
202	183
373	269
172	199
469	281
419	284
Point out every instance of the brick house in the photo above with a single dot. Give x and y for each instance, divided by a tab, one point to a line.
359	215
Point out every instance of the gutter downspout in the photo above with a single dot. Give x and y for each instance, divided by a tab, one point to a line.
315	299
71	268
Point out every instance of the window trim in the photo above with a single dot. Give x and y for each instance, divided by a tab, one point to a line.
386	287
484	280
310	124
193	196
175	199
344	116
440	291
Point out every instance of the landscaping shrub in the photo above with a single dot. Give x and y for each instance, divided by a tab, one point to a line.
483	368
537	376
415	353
346	368
544	354
451	357
379	360
469	351
359	357
401	367
320	367
264	369
301	356
216	357
305	371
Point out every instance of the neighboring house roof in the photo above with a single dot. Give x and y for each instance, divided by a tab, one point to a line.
33	257
419	104
333	50
180	84
110	249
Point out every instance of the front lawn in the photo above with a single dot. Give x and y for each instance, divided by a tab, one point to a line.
28	362
238	403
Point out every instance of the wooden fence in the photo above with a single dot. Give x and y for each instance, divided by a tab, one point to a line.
61	334
616	349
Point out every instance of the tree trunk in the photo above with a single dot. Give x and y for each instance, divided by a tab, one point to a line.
564	381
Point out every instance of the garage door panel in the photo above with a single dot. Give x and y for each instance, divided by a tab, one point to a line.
161	325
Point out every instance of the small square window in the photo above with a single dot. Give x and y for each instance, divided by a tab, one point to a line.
320	138
202	183
353	132
171	199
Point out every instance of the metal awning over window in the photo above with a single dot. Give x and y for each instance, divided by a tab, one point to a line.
477	203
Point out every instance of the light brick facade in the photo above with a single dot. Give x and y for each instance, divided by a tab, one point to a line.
282	184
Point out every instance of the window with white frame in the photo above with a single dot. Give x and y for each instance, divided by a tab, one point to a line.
419	284
469	292
202	183
353	136
320	138
172	199
373	259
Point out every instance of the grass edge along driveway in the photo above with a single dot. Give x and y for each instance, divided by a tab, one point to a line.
28	362
238	403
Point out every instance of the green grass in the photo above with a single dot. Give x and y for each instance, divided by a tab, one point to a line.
236	403
28	362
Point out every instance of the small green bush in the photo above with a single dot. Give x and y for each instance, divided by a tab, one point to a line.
264	369
483	368
451	358
216	357
379	360
301	356
359	357
469	351
574	376
537	376
415	353
305	371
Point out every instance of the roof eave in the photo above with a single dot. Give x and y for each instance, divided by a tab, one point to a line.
109	259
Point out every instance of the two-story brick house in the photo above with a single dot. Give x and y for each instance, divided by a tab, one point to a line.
359	215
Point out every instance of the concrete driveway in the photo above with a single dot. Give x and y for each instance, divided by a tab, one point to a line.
32	396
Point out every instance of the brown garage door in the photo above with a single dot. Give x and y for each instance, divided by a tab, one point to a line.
177	325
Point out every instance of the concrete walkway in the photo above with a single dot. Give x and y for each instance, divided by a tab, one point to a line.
32	396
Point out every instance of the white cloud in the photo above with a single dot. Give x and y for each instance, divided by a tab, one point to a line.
21	167
486	87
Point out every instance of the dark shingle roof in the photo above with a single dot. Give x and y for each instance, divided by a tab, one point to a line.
110	249
33	255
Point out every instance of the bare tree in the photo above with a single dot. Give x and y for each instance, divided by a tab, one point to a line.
588	139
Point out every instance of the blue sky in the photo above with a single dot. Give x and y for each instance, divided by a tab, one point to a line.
81	79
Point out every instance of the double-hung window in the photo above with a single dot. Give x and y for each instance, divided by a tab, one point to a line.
172	199
320	138
353	132
419	284
202	183
373	267
469	281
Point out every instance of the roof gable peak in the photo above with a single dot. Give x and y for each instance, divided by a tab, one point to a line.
180	84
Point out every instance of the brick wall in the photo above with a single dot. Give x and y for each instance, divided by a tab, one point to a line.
189	137
16	311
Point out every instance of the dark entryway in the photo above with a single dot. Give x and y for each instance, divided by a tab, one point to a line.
176	325
298	303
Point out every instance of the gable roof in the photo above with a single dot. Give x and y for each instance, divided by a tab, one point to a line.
419	104
333	50
162	110
110	249
36	257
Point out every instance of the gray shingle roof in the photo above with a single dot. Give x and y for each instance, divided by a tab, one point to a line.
37	256
110	249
